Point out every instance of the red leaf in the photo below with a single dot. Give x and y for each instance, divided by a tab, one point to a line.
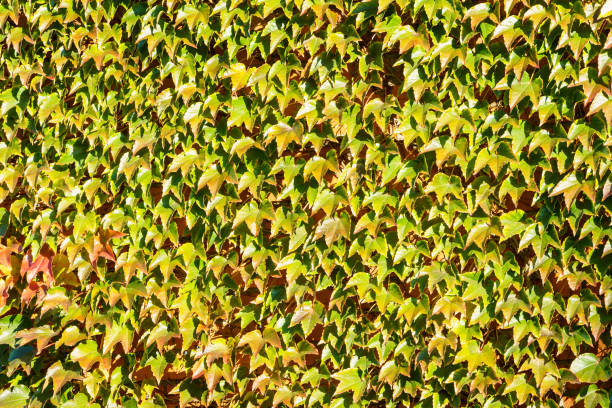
41	264
111	234
6	252
29	292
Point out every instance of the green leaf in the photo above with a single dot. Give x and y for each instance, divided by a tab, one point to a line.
158	366
525	87
86	354
240	114
79	400
475	356
587	368
362	281
478	234
350	380
47	104
512	223
521	387
442	185
16	397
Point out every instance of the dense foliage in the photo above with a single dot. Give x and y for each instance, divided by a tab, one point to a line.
262	203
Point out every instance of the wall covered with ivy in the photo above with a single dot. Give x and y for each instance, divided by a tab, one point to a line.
305	203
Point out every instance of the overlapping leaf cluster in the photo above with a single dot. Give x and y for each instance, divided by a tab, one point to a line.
305	203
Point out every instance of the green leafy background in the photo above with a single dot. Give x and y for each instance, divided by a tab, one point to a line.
305	203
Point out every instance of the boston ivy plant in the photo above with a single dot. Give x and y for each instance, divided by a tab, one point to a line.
305	203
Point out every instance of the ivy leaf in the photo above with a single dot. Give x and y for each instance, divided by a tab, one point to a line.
593	397
160	335
283	134
540	368
362	281
217	348
241	146
158	366
70	336
282	395
117	334
254	339
478	234
587	368
60	376
317	167
16	397
512	223
46	105
508	29
240	114
388	372
79	400
570	186
530	234
442	185
86	354
332	229
477	13
9	329
350	380
475	357
525	87
521	387
42	335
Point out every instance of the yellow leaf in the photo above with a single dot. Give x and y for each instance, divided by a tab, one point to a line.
569	187
254	339
283	134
